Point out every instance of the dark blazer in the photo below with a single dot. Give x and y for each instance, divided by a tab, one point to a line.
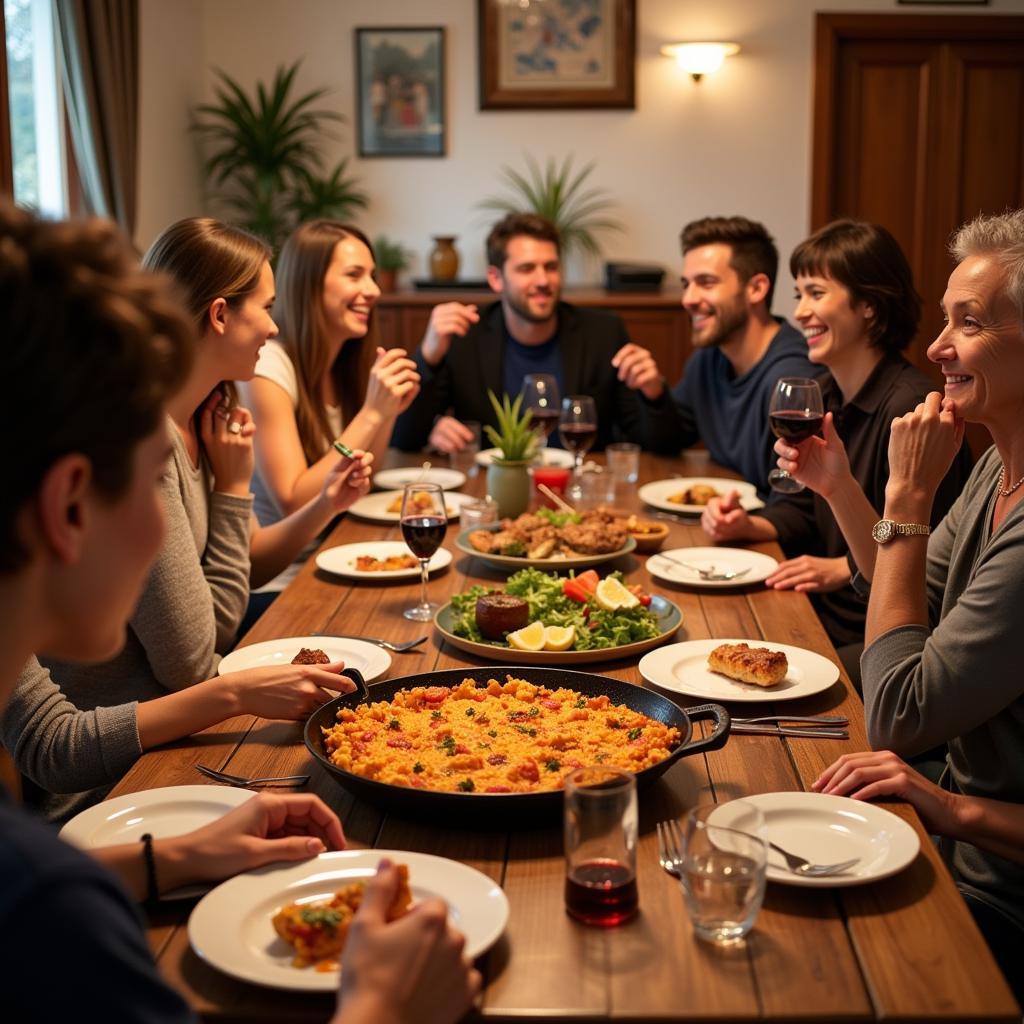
475	363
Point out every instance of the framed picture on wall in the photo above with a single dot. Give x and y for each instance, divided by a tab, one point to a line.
556	54
400	105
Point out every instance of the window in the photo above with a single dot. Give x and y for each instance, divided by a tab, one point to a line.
36	112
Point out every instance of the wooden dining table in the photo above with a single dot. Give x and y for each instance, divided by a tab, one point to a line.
904	948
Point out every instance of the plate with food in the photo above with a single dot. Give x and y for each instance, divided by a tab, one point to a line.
396	479
539	618
828	829
690	495
556	457
711	568
547	538
369	659
386	506
168	811
284	925
739	670
378	560
489	741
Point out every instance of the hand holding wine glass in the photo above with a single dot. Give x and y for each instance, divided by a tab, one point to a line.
424	523
794	414
540	396
578	427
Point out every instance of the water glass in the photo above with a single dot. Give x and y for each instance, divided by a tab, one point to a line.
465	459
724	860
481	512
600	845
623	461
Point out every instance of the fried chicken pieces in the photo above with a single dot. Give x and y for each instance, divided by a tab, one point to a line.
599	532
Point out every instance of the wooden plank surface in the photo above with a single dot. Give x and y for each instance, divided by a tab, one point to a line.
902	949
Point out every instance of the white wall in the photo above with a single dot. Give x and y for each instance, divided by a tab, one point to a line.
739	142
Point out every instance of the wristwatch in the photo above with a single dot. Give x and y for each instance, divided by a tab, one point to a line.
885	529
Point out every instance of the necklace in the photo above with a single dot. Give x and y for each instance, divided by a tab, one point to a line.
1004	491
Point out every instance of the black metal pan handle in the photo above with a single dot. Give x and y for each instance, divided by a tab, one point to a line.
718	735
357	677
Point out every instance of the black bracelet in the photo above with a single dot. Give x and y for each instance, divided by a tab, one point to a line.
152	888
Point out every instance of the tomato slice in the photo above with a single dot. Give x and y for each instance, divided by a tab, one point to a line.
588	580
572	589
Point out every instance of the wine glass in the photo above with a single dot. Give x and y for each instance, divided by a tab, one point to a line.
794	414
540	396
578	427
424	523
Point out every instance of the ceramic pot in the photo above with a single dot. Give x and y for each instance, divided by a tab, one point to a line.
386	280
444	259
508	483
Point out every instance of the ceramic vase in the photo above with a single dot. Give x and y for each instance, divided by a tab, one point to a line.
444	259
508	483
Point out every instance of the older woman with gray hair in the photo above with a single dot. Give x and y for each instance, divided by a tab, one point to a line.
943	652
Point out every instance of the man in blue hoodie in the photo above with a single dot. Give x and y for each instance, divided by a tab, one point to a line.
740	349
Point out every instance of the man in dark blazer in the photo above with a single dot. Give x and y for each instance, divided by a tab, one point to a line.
466	352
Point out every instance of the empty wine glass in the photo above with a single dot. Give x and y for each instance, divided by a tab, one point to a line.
794	414
424	523
578	427
540	396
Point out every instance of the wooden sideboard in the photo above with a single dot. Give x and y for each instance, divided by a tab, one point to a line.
655	320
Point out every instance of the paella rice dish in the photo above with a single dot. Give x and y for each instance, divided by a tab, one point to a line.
511	737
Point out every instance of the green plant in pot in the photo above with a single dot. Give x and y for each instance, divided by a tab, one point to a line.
508	476
391	258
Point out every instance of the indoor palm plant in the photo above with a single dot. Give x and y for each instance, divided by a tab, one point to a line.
265	163
391	258
508	477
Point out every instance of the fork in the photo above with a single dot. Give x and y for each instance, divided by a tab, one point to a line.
835	720
238	780
708	574
408	645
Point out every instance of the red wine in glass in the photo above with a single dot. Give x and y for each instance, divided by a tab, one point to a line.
424	534
601	892
424	523
546	419
578	437
795	425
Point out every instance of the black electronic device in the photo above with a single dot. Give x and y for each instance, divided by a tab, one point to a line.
633	277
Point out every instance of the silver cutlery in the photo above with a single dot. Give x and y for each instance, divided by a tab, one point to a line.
810	719
408	645
806	732
238	780
802	866
708	574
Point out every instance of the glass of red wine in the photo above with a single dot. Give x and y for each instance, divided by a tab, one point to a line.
424	524
600	845
578	428
540	396
794	414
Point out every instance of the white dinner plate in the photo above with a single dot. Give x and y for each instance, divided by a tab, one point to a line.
657	493
396	479
758	567
231	927
170	811
557	457
376	506
369	659
342	560
683	668
828	829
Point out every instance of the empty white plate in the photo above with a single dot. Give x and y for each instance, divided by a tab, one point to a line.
342	560
754	566
658	492
396	479
369	659
829	829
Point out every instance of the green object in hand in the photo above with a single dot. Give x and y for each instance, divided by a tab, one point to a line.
344	450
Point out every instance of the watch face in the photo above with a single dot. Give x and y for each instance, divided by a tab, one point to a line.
882	530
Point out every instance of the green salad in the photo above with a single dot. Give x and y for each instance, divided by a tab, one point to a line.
548	603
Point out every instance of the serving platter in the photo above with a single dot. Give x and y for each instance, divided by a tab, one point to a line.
549	564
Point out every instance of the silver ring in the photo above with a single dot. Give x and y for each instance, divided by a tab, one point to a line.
234	427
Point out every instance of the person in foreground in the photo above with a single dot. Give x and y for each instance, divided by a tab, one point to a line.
81	520
941	662
466	352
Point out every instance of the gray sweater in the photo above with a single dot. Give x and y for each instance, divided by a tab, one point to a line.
187	617
961	679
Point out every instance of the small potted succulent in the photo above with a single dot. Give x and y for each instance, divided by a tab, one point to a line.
391	258
508	476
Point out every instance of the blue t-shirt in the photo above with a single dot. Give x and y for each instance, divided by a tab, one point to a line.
523	359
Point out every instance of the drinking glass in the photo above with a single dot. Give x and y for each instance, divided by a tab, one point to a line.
623	460
474	514
794	414
424	522
540	396
578	427
724	860
600	845
464	460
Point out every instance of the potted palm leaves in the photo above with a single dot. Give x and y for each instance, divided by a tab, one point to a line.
508	476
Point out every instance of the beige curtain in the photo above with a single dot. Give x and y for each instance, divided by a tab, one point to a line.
99	56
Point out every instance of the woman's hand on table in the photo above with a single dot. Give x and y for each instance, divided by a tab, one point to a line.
347	481
810	574
291	692
819	463
394	383
227	436
270	827
880	773
408	971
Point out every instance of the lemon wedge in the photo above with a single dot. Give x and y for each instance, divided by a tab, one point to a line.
559	638
529	638
612	595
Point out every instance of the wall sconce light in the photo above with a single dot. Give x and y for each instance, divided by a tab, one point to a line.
699	59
